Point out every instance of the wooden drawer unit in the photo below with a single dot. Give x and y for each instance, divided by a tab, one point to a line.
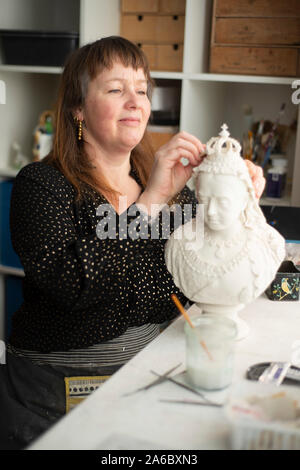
274	61
169	57
139	6
164	57
157	26
271	31
172	7
153	29
151	54
255	37
154	6
257	8
139	28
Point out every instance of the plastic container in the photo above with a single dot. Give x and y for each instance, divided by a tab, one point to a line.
276	178
37	47
264	417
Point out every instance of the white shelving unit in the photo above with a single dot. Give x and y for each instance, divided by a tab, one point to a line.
207	100
12	271
30	69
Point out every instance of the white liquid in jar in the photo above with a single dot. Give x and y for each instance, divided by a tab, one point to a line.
210	375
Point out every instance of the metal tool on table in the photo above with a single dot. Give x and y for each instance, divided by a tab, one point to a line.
191	389
190	402
160	379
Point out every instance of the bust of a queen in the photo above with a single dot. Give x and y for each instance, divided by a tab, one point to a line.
239	253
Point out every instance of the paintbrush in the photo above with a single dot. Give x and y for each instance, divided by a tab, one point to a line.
185	314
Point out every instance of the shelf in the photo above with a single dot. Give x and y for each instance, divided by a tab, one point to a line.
8	172
12	271
219	77
214	77
30	69
276	201
168	75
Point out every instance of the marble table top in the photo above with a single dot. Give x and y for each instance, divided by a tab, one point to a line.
109	420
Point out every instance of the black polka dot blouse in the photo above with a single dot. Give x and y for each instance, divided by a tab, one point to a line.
81	289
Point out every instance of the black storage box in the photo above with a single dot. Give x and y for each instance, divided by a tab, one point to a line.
286	284
37	47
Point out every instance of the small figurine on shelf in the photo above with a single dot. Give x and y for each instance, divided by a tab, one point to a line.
43	136
17	158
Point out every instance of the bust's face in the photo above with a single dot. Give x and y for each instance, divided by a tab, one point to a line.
224	198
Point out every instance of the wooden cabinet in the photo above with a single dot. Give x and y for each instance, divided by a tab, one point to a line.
153	29
273	61
158	28
153	6
164	57
139	6
257	37
257	8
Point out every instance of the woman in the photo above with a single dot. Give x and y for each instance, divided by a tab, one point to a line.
90	302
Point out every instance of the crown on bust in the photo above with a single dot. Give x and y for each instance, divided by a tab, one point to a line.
223	156
223	144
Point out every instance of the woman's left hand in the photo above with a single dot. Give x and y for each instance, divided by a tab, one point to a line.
257	176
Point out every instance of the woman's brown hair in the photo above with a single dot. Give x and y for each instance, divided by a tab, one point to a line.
68	153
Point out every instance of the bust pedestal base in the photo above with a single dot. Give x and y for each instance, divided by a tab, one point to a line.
230	312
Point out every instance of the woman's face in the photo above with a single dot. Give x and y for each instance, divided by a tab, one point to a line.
116	109
224	198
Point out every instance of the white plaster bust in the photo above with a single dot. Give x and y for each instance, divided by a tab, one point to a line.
240	253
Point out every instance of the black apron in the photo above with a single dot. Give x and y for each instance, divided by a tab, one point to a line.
34	397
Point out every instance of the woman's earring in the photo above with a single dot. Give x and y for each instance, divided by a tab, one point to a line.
79	123
79	130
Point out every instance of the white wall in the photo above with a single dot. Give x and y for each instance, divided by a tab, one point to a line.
20	114
51	15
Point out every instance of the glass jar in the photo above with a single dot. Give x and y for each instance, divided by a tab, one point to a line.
210	348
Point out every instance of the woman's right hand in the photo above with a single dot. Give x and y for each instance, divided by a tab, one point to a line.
169	176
